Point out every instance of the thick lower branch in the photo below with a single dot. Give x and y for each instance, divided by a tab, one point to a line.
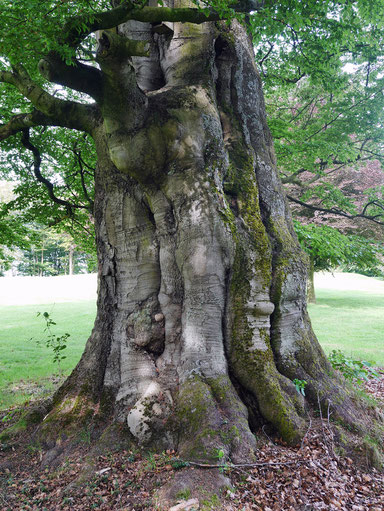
78	76
21	122
74	31
63	113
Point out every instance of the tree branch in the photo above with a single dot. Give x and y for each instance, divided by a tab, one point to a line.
177	14
79	27
22	121
69	114
301	110
83	185
334	211
334	119
25	140
79	76
293	178
271	46
377	155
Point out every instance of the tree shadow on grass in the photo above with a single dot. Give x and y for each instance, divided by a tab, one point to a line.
347	300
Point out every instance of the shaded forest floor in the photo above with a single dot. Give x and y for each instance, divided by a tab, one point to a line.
310	477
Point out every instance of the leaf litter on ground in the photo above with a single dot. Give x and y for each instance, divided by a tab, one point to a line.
306	478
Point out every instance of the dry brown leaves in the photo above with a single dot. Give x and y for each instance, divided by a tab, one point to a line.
376	387
319	479
311	477
119	481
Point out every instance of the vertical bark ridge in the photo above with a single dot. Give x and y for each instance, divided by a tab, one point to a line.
251	356
171	292
149	74
138	331
296	351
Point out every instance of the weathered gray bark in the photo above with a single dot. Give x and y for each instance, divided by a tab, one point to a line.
202	321
311	293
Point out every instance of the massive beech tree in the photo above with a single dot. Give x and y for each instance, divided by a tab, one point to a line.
202	323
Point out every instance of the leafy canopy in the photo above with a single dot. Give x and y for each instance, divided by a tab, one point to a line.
329	249
322	65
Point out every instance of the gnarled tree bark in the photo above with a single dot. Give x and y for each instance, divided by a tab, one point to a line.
202	323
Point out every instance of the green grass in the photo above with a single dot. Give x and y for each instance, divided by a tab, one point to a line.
352	321
348	320
26	368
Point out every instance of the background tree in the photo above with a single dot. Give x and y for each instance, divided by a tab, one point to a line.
329	140
14	234
328	132
51	253
329	249
201	323
36	239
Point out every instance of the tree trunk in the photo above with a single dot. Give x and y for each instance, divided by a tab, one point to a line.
202	323
41	273
71	251
311	294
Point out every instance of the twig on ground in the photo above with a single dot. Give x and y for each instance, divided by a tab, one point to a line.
331	435
306	433
322	427
244	465
269	438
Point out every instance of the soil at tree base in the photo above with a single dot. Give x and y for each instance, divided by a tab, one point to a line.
310	477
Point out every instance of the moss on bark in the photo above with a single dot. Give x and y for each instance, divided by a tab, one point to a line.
211	419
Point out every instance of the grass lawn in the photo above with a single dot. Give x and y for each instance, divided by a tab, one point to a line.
352	321
26	368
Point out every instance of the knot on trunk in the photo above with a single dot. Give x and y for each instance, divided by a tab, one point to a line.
145	327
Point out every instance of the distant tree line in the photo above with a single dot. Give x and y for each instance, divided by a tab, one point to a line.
33	244
329	249
53	254
48	253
